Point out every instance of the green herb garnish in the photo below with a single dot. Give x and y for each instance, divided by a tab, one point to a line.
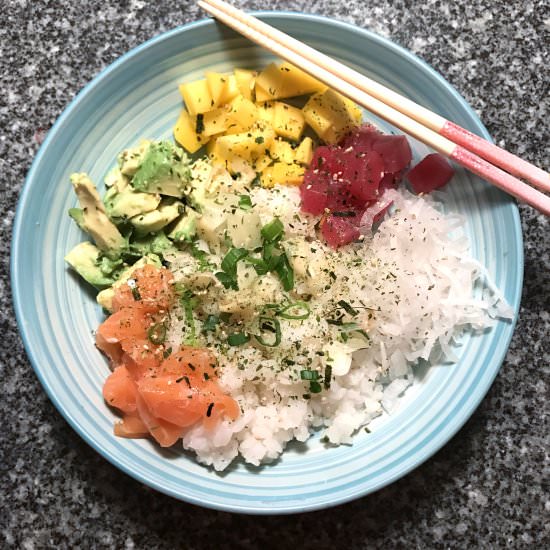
309	375
199	126
347	308
315	387
328	377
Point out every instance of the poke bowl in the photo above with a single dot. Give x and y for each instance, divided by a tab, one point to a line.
138	96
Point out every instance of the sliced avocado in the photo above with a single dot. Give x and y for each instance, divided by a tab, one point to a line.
164	169
116	179
78	216
154	221
130	159
186	227
84	258
155	243
129	203
105	297
95	219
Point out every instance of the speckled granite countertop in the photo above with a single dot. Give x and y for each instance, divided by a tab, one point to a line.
487	488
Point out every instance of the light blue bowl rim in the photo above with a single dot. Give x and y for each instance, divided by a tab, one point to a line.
430	448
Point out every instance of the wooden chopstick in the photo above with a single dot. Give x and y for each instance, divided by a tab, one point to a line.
323	68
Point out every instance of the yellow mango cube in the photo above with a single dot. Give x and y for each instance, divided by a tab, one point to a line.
216	121
266	112
186	135
217	83
281	173
248	145
282	151
298	82
304	152
196	96
245	82
288	121
230	91
329	115
243	112
261	163
286	80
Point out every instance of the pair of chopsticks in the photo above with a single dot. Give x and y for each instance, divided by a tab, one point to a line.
481	157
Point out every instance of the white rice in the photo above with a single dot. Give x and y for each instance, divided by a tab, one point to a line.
419	290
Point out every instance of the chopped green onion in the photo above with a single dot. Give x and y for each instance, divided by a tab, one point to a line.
328	377
229	263
309	375
228	277
226	280
348	309
302	313
285	273
245	202
259	265
157	333
272	231
269	324
315	387
238	338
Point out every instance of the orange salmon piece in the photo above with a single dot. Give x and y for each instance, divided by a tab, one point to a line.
119	390
165	433
131	426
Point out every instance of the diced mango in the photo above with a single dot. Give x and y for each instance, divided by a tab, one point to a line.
282	174
261	163
245	82
330	115
286	80
243	112
216	121
196	96
230	91
354	110
186	135
288	121
304	152
282	151
266	112
235	128
213	153
298	82
248	145
217	84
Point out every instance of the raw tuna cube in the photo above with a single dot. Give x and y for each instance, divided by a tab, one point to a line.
432	172
338	231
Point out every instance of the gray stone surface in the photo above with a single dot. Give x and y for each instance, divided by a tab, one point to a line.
487	488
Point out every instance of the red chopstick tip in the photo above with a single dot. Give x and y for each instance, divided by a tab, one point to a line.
500	157
498	177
